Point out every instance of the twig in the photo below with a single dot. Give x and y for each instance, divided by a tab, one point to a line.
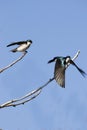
33	94
25	98
20	101
14	62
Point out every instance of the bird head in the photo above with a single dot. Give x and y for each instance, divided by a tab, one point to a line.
29	41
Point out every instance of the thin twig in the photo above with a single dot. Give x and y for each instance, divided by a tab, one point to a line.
25	98
16	102
31	95
14	62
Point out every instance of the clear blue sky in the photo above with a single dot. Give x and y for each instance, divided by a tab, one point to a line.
57	28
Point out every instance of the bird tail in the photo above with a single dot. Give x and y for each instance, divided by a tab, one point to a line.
14	50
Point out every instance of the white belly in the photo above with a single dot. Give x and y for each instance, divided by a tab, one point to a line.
23	47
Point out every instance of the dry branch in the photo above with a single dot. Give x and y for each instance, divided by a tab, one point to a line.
31	95
14	62
25	98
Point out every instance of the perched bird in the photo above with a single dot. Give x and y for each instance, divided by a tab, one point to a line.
23	46
60	67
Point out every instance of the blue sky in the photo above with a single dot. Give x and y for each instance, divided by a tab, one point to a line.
57	28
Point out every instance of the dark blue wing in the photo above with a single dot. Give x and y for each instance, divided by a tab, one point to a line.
16	43
59	73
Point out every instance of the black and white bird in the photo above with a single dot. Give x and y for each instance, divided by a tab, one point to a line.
23	45
60	67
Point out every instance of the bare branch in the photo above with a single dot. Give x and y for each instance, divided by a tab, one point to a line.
25	98
14	62
20	101
31	95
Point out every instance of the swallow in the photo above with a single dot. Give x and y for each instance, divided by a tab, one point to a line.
23	46
60	67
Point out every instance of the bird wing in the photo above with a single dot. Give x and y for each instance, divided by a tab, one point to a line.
80	70
59	73
16	43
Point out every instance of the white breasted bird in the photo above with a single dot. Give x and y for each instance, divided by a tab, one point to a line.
60	67
23	46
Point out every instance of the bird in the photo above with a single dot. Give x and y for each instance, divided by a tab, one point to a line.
23	46
60	67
